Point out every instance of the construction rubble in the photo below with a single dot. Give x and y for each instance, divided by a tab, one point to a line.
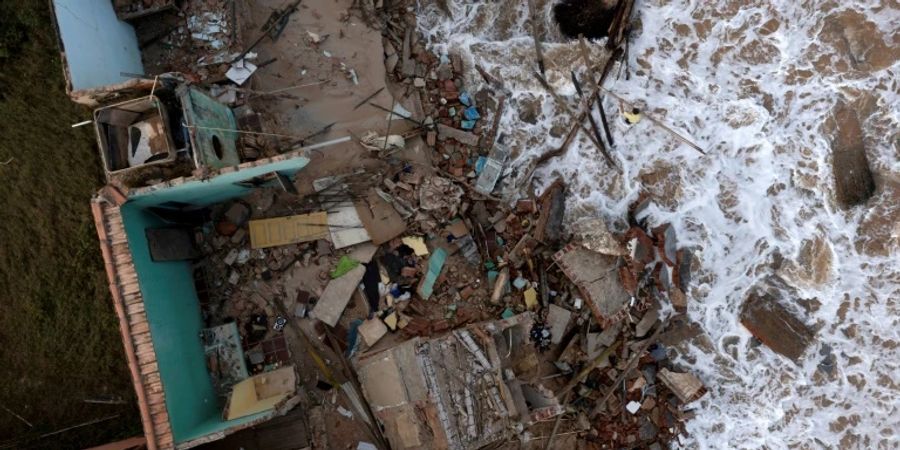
583	313
461	313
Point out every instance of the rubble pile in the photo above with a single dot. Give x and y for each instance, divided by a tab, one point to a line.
451	263
514	318
421	251
198	39
456	122
131	9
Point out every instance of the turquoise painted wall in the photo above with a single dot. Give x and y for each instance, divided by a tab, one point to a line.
172	306
217	189
173	312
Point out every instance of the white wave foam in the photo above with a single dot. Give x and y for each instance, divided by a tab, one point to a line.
747	82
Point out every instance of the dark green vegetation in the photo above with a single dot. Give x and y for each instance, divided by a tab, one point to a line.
59	339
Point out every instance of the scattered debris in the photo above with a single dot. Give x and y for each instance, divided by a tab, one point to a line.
469	318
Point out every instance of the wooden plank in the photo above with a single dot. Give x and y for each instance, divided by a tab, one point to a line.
288	230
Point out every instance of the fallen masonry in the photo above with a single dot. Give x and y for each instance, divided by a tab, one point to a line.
310	215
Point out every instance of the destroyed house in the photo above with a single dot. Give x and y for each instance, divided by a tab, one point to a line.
101	54
108	48
465	389
183	401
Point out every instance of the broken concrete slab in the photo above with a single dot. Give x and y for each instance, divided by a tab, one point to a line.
853	180
596	278
558	319
336	296
646	323
463	137
346	226
775	325
372	331
363	252
425	399
813	265
593	235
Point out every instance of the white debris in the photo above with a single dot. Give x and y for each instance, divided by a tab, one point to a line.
240	71
633	406
345	412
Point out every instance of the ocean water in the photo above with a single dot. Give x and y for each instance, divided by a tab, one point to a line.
754	84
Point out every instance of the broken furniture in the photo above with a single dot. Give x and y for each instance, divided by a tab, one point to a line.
261	392
133	134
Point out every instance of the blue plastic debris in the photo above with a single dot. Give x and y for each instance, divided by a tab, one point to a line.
520	283
492	276
467	124
507	313
471	113
465	99
452	111
479	165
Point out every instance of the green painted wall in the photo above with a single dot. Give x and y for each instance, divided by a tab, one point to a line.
172	306
209	121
